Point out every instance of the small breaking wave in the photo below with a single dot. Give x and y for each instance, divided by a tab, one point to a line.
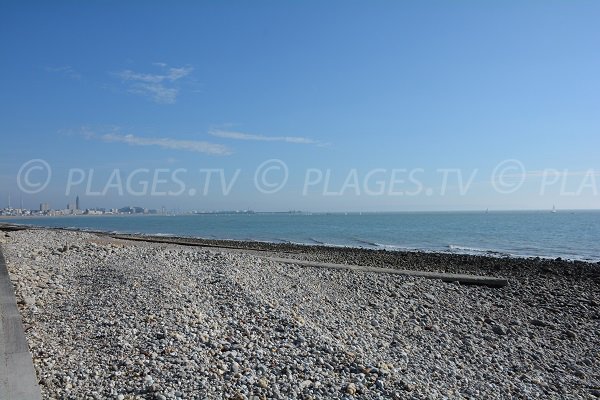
476	251
395	247
366	242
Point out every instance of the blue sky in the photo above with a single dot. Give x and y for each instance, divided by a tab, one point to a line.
345	88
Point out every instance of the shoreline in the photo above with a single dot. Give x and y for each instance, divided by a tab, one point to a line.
276	246
432	261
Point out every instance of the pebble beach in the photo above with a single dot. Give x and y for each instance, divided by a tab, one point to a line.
110	318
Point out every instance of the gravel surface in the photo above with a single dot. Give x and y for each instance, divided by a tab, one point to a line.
111	319
417	260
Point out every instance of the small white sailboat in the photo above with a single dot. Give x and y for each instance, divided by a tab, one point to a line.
553	208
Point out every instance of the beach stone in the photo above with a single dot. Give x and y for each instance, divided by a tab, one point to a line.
499	329
305	384
351	389
263	383
28	300
537	322
430	297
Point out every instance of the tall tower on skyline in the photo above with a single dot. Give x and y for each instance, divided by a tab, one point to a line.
77	203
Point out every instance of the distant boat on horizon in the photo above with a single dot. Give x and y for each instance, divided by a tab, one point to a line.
553	208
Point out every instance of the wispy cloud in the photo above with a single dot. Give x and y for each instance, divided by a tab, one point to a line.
65	70
261	138
160	87
165	143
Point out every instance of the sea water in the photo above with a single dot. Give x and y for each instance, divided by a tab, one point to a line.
565	234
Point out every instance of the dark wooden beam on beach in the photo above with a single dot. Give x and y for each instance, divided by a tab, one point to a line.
446	277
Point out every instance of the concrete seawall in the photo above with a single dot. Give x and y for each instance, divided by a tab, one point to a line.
17	375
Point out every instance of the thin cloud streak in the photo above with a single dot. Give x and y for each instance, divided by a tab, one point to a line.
262	138
156	91
161	88
188	145
66	70
165	143
172	75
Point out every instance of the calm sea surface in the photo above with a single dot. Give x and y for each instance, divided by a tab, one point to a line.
566	234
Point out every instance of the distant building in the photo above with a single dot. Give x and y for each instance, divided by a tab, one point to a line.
44	207
77	203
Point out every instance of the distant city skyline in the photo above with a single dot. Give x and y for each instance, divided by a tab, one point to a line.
46	208
337	106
